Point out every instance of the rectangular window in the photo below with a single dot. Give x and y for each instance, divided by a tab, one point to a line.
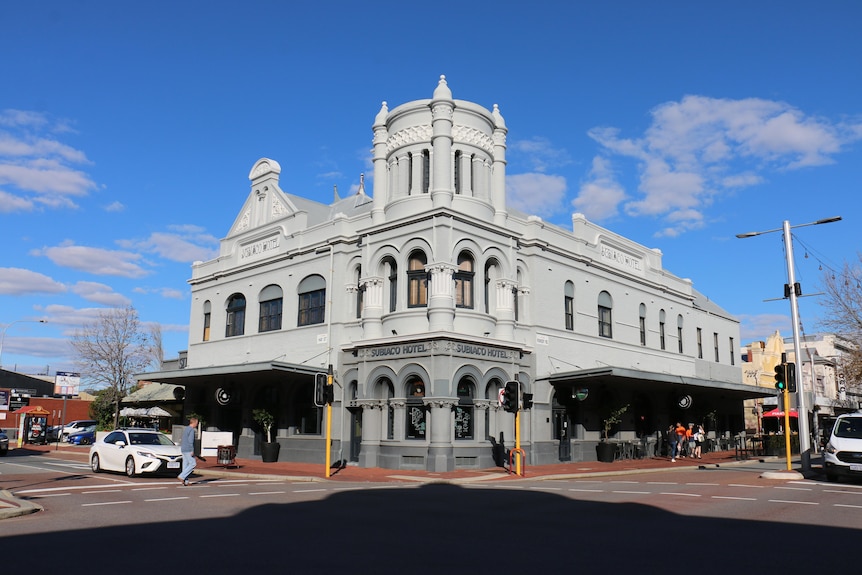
732	359
207	327
235	323
715	345
464	290
679	338
417	285
270	315
415	421
463	422
569	304
605	328
643	330
661	338
699	343
312	307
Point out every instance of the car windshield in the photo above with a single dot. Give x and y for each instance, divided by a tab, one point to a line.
149	439
850	427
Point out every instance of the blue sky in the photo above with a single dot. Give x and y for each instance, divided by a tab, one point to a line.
128	129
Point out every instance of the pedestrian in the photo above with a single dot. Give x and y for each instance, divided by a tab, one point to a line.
187	448
699	438
679	430
690	440
671	442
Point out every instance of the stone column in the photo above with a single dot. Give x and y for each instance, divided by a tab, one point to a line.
416	172
440	451
441	297
369	453
498	171
505	328
372	311
380	193
442	110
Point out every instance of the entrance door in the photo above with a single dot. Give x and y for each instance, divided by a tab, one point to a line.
561	431
355	434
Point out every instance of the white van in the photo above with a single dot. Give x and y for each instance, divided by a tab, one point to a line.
843	454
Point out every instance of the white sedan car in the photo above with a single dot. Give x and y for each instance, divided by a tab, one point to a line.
136	451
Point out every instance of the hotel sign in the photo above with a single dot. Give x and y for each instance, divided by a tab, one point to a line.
621	259
259	249
420	348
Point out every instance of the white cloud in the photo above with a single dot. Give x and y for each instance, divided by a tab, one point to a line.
17	281
184	243
599	198
538	153
96	261
11	203
100	293
37	167
536	194
115	207
700	148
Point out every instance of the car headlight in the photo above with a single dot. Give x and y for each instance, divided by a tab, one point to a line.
147	454
831	448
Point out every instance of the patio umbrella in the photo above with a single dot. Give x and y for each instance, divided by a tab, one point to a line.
778	412
157	412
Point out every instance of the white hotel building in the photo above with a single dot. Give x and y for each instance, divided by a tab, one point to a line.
426	297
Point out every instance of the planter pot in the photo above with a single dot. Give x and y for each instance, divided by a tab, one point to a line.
605	452
269	452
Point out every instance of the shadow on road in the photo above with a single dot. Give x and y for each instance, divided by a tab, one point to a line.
436	529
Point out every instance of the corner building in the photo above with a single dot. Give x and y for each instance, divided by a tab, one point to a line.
426	297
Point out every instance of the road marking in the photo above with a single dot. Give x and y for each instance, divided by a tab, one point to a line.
268	493
704	484
840	491
148	488
537	488
588	490
221	495
662	483
165	499
349	488
101	491
735	498
105	503
307	490
850	506
745	485
633	492
795	488
793	502
51	495
621	481
682	494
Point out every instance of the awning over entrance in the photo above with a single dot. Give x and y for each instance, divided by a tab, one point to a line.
262	372
632	378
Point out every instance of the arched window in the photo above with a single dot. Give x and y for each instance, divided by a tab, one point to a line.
661	331
312	301
416	411
606	306
360	292
642	323
386	392
235	315
417	280
464	425
569	305
492	272
679	332
207	318
270	308
464	281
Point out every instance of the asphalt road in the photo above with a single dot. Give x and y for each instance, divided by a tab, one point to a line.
709	521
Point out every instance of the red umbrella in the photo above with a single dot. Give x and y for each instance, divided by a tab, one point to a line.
780	413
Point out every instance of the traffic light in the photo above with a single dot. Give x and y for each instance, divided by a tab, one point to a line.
328	394
781	377
320	392
528	400
790	372
510	397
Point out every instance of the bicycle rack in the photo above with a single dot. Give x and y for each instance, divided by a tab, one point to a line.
523	455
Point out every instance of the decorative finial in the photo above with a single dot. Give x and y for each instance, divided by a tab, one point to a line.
361	190
335	192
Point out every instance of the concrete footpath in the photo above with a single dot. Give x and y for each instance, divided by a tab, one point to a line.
11	506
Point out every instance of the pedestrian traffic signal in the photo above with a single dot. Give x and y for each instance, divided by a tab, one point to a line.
781	377
790	374
510	397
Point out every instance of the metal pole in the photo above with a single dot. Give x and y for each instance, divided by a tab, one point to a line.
804	442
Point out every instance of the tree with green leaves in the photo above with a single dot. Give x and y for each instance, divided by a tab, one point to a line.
111	350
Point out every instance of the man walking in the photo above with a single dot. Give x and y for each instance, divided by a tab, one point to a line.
187	448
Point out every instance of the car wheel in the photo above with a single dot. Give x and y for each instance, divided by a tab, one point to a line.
95	464
130	467
85	441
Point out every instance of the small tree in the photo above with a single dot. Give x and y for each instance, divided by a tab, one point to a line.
111	350
265	419
612	419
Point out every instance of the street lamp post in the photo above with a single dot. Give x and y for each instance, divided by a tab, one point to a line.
802	411
3	336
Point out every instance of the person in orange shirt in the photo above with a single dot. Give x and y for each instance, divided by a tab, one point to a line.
680	439
689	439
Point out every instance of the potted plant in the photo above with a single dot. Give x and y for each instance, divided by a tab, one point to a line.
605	449
270	448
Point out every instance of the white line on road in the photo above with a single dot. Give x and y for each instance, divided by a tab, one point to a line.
52	495
704	484
221	495
681	494
101	491
165	499
662	483
633	492
734	498
795	488
588	490
840	491
794	502
268	493
745	485
850	506
307	490
538	488
148	488
105	503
